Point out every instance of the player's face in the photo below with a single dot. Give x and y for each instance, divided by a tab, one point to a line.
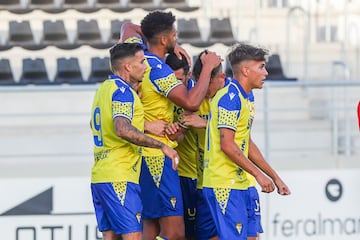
171	40
179	74
256	73
138	67
215	84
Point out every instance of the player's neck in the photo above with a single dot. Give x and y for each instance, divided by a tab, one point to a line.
157	50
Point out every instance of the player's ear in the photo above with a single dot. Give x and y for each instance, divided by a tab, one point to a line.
127	67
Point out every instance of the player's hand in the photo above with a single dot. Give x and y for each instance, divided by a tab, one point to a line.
193	120
156	127
174	132
211	59
172	154
178	50
282	189
265	183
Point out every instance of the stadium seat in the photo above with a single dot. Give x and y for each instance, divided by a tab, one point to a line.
20	34
54	34
68	71
34	72
49	6
147	5
275	70
14	6
85	6
113	5
115	30
221	31
6	76
100	69
88	32
189	32
180	5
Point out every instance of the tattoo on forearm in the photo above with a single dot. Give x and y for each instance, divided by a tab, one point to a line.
127	131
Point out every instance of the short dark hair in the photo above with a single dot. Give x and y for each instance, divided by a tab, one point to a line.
175	63
157	22
198	67
123	50
242	52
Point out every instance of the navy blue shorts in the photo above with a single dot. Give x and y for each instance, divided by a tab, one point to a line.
188	189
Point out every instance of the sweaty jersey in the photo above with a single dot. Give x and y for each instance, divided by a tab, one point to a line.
228	109
187	149
116	159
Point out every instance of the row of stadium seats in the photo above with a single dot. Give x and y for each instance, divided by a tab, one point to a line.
56	6
68	71
88	32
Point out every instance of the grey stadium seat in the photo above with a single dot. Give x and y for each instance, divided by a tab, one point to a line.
189	32
6	76
275	70
20	34
221	31
34	72
100	69
54	33
68	71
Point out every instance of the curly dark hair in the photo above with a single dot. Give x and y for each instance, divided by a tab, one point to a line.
157	22
242	52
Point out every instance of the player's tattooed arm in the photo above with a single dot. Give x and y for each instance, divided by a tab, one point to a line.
125	130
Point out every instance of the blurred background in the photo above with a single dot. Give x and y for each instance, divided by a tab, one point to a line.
54	54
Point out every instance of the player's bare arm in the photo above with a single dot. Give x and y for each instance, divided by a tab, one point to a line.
125	130
232	150
258	159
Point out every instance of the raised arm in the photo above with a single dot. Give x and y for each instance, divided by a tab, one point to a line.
129	30
191	100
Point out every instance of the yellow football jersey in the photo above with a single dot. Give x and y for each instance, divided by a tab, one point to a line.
229	109
187	148
116	159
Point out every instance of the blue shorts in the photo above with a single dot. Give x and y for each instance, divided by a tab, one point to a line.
117	206
160	188
229	210
205	225
254	213
188	189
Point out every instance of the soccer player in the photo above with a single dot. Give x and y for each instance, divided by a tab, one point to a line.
186	149
160	90
117	125
225	182
205	226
